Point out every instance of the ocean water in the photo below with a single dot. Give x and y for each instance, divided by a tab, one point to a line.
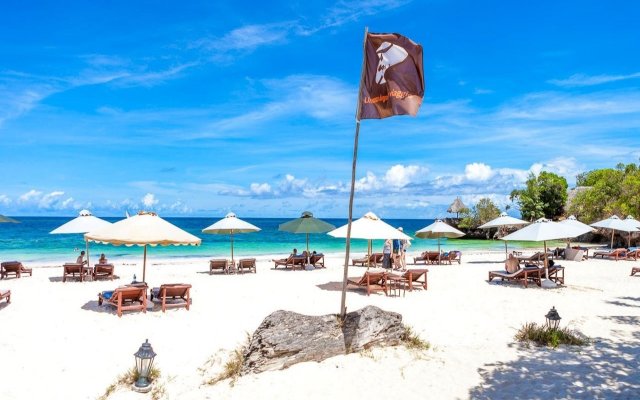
30	241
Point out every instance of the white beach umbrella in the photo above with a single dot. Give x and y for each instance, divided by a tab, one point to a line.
83	223
616	224
502	221
144	229
369	227
229	225
543	230
438	230
573	221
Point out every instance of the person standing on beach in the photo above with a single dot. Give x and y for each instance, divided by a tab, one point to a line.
396	254
386	254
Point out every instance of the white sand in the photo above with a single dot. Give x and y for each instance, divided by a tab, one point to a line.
56	342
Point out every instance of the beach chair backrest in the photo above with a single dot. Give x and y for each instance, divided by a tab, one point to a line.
176	289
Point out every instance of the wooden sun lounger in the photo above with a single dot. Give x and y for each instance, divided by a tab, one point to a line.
14	268
172	295
317	260
373	281
450	257
426	257
247	263
291	261
536	258
5	294
556	274
633	255
635	270
221	263
126	298
617	254
75	270
522	275
412	276
373	260
103	271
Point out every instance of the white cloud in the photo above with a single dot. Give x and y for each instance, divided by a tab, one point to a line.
399	175
50	199
149	200
591	80
31	194
260	188
5	200
249	37
477	172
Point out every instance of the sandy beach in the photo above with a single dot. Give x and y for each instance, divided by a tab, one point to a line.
58	343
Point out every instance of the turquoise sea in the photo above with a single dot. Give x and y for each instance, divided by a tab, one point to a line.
30	241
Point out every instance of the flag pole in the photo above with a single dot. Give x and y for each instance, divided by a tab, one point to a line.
343	307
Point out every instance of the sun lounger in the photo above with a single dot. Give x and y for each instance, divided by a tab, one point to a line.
13	268
372	260
521	275
537	258
247	263
427	257
317	260
5	294
448	258
412	276
126	298
616	254
556	274
633	255
635	270
103	271
75	270
291	261
172	295
373	281
222	264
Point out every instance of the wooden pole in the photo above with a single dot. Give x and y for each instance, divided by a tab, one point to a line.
144	265
343	306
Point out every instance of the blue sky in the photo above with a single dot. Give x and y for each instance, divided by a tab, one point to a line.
200	108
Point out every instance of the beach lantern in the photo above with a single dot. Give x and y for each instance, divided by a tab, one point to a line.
144	362
553	318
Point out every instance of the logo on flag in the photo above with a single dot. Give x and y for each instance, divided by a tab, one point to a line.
393	77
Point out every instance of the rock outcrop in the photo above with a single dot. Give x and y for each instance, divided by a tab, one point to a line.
285	338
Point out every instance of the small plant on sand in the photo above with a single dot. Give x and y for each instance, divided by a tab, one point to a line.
129	378
413	341
231	369
543	335
233	366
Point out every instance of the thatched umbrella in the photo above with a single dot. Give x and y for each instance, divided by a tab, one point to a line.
456	207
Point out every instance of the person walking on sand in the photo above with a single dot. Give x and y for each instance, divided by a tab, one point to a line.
386	254
404	245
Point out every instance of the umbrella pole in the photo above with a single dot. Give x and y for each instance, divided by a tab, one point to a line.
86	242
144	265
546	264
613	232
368	254
506	252
439	253
231	247
307	243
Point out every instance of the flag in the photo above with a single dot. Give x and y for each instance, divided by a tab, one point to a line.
393	78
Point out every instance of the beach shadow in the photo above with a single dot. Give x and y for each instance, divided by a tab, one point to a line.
4	304
485	262
602	370
92	305
337	287
620	301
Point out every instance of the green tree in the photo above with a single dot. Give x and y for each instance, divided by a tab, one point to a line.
484	211
603	196
544	196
